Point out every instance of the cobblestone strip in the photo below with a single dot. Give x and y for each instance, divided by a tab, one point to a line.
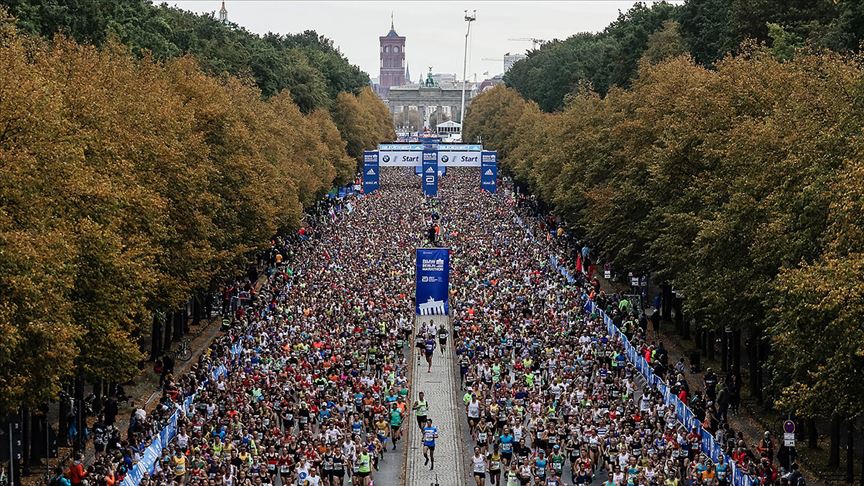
439	386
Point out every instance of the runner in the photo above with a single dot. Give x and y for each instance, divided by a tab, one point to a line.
421	409
442	337
430	434
479	465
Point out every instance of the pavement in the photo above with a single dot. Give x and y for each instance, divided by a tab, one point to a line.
440	387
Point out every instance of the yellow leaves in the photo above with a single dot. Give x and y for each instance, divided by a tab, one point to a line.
125	186
363	120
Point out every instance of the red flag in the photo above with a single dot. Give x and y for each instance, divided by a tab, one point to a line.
578	262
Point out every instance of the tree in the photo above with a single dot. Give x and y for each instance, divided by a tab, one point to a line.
130	185
664	43
783	43
706	28
436	117
411	120
363	120
493	117
307	64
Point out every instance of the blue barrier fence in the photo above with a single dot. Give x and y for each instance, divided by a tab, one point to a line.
682	412
154	451
685	416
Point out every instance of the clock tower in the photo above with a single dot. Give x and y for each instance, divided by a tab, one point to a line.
392	57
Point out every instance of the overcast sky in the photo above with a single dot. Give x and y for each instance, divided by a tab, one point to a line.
435	30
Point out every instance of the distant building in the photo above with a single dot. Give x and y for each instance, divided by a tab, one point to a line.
392	55
491	83
444	79
511	59
223	13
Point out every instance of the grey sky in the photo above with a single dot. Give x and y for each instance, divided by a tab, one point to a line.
435	30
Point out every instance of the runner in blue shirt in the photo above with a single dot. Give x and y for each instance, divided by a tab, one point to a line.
506	440
430	433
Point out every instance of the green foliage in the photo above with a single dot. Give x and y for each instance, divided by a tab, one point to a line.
606	59
664	43
706	29
363	120
127	185
783	43
741	185
308	65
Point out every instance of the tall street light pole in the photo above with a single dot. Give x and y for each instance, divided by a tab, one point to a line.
468	18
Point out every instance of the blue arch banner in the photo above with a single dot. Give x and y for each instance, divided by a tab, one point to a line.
489	171
430	172
371	172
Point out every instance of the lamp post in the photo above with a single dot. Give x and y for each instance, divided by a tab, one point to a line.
468	18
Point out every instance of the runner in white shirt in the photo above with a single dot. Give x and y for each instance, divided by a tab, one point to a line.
479	467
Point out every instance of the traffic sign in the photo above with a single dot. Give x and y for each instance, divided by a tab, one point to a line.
789	433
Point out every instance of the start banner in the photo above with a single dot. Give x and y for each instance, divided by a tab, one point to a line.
400	158
459	159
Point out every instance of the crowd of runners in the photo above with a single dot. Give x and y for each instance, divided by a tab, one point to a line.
318	393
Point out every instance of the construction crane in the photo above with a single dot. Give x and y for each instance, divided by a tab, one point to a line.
533	40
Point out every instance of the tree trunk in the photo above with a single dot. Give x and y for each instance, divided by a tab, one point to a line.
765	371
850	451
712	340
735	350
666	302
178	323
208	305
155	338
187	309
834	448
196	309
63	433
677	304
862	461
755	364
80	420
812	434
169	330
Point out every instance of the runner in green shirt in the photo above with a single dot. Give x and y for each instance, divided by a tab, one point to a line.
395	423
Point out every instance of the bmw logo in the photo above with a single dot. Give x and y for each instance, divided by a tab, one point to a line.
386	158
444	158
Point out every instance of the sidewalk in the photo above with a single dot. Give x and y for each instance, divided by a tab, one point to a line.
144	391
439	386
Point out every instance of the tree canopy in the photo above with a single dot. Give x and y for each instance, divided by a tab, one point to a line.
128	184
706	29
739	184
306	64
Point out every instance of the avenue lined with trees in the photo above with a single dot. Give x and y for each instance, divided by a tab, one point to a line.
735	180
144	165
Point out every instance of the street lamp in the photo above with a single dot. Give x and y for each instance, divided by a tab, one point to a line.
468	18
